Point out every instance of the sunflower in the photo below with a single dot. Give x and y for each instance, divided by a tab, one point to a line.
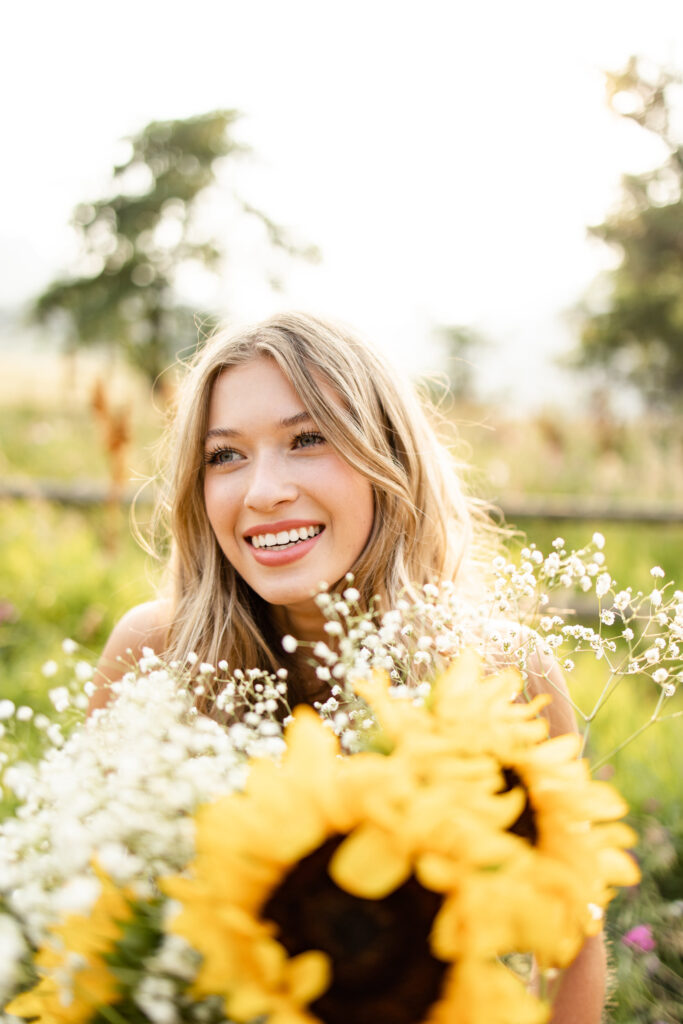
77	951
384	886
312	898
569	851
571	843
469	714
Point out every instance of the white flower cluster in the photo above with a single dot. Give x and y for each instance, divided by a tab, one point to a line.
120	790
13	948
638	633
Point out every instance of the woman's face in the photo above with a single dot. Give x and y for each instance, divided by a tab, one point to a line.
288	512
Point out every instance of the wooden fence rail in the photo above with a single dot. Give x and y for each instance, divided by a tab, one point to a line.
549	507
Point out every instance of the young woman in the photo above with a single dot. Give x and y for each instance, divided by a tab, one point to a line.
297	458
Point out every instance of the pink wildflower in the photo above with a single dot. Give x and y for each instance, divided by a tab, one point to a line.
640	938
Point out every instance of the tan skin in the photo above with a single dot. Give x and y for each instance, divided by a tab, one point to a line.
266	473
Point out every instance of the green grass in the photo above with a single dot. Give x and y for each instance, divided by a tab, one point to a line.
60	577
59	443
631	549
648	770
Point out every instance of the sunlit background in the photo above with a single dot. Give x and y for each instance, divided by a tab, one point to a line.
446	158
443	161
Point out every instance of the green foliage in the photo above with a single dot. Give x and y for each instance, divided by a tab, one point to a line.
59	578
648	984
47	443
140	938
133	244
635	332
631	549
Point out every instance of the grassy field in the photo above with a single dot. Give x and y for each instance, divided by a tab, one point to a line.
637	461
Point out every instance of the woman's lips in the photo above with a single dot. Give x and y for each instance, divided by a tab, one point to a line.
283	556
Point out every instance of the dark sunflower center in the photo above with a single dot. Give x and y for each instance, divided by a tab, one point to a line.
525	825
382	968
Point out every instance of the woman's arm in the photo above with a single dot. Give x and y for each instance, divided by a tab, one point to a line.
544	675
145	625
578	995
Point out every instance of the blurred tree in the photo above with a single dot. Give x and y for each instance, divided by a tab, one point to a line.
123	290
459	342
634	330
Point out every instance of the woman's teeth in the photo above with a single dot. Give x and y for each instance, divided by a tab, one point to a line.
285	537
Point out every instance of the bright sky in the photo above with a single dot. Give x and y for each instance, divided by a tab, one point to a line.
445	156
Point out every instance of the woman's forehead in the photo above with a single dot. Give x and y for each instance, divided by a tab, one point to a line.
259	386
268	368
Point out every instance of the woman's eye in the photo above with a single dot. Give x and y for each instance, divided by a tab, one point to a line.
308	439
221	457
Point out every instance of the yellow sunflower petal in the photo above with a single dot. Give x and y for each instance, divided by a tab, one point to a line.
308	976
439	873
618	867
464	674
369	863
246	1003
396	718
281	998
533	907
34	1004
479	991
94	985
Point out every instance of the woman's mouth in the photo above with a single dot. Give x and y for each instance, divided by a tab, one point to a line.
284	539
281	547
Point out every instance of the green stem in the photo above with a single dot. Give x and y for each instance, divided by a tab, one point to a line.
633	736
112	1015
667	718
621	746
607	691
613	681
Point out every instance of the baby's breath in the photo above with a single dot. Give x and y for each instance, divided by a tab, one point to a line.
417	639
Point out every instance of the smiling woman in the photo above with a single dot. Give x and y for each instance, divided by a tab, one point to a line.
296	458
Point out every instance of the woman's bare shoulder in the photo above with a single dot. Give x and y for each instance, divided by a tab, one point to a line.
145	625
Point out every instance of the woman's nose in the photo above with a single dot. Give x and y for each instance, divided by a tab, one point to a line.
270	483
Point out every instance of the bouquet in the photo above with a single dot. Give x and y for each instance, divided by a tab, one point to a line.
160	866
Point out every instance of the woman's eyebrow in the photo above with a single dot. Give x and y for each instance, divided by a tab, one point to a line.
287	421
294	421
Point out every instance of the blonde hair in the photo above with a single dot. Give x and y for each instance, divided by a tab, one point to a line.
425	527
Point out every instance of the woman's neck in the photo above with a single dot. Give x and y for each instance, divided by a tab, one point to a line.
303	623
306	624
